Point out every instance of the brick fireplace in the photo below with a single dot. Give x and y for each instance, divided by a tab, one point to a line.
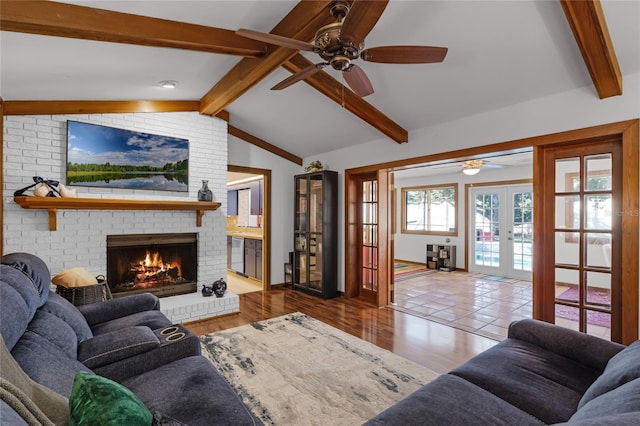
163	264
36	145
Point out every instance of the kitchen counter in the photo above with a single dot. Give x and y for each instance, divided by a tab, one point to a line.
240	234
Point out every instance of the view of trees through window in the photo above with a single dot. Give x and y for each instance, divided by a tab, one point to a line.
430	209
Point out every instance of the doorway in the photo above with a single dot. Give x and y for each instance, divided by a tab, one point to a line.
543	301
255	227
500	230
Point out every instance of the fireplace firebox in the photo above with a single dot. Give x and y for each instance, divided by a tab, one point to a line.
163	264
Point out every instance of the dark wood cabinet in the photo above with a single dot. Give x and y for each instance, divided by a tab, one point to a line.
441	257
316	233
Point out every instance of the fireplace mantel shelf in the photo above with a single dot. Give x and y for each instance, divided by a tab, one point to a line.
53	204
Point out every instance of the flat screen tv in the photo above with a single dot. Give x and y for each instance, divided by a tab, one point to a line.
107	157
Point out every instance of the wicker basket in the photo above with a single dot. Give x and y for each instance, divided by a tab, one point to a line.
85	295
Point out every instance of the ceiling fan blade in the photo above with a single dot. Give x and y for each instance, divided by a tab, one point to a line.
291	43
361	19
300	75
404	54
358	81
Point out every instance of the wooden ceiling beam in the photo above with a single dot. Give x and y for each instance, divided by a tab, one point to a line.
234	131
331	88
301	23
80	22
589	26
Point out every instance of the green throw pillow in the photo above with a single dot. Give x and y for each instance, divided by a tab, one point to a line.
96	400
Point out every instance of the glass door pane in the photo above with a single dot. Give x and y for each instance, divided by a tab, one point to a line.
486	225
521	233
369	232
583	235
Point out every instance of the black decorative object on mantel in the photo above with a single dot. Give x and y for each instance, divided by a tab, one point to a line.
204	193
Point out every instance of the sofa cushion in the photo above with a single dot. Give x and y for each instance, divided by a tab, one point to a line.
191	391
152	319
53	406
621	368
46	363
63	309
165	353
97	400
108	310
450	400
34	269
14	313
623	399
524	375
56	331
111	347
10	415
22	284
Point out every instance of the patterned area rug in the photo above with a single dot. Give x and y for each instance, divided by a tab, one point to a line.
595	296
295	370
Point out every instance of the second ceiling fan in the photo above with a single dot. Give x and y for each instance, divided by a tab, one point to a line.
342	42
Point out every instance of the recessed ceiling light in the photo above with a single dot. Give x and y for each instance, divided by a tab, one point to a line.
168	84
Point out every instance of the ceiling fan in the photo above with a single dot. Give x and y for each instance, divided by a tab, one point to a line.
472	167
342	42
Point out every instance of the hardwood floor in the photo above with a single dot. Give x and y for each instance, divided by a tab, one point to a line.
433	345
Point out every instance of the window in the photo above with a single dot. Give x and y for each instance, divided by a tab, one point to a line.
430	210
596	197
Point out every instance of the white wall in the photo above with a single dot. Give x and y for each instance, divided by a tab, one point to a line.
560	112
242	153
412	247
36	146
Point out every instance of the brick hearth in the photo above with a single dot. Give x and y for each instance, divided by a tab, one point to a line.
193	306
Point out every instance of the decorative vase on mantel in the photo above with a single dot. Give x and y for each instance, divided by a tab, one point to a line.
204	193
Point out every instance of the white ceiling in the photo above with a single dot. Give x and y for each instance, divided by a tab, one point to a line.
500	53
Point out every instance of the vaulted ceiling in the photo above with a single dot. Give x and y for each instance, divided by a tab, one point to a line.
500	53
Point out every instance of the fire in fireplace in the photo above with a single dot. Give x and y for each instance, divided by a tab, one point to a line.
163	264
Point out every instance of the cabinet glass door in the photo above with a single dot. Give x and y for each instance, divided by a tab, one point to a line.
315	232
302	190
301	232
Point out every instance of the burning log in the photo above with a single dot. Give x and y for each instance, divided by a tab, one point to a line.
152	269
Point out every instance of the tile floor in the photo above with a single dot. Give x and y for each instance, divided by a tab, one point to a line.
478	303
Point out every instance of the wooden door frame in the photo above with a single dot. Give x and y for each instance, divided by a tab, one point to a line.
266	218
353	229
627	131
544	261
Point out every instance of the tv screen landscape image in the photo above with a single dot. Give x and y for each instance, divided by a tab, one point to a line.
107	157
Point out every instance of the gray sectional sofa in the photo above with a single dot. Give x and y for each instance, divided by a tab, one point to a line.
46	342
541	374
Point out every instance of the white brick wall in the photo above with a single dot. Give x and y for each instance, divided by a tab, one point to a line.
36	146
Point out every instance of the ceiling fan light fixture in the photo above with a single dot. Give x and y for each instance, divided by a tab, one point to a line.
470	171
168	84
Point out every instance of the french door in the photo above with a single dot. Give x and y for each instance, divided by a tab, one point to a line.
581	255
501	230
